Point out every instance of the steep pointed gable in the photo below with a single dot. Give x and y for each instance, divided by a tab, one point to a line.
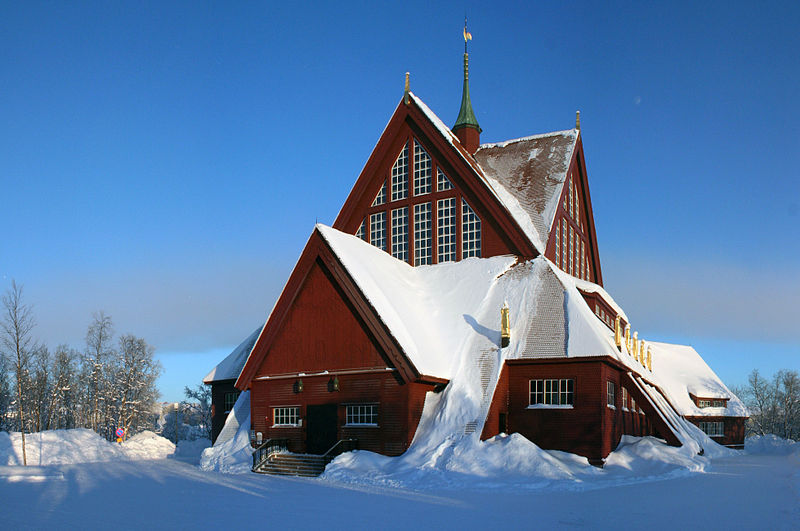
318	259
414	143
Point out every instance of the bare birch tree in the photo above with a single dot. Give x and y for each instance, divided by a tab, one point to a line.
17	345
98	350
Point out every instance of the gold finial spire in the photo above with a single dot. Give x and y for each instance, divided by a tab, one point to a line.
578	120
618	333
406	91
505	326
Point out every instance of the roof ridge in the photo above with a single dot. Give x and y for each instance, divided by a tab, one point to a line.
504	143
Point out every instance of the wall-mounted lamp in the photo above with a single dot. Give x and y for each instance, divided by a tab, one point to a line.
333	384
298	386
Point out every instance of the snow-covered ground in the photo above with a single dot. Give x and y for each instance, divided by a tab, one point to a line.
92	484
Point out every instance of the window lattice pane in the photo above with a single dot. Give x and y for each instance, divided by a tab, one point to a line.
400	175
558	244
422	170
470	232
583	260
422	234
571	237
563	244
230	400
400	233
286	416
536	391
381	197
361	232
610	398
362	414
577	207
552	392
377	230
442	182
446	220
571	198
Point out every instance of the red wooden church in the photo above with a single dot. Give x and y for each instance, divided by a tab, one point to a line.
459	291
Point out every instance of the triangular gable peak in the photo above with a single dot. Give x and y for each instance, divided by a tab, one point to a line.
317	257
422	198
536	173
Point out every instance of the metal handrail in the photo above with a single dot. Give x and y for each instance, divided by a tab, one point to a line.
341	446
266	449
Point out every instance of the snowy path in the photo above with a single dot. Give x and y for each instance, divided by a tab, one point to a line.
746	492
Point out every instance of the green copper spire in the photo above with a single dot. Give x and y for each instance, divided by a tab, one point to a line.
466	116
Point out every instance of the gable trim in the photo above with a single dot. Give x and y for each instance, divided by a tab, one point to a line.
318	251
446	150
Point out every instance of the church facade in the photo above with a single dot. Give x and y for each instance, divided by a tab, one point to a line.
462	282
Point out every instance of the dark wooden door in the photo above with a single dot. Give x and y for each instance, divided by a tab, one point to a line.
322	428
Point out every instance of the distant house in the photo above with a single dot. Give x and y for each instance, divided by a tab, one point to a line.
460	291
222	379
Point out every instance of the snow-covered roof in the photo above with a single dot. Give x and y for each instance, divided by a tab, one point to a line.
232	365
526	174
529	174
590	287
679	370
441	315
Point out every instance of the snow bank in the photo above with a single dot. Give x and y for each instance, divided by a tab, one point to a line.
148	445
770	445
234	455
61	447
511	462
190	451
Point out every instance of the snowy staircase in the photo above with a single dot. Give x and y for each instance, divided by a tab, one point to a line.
273	458
286	464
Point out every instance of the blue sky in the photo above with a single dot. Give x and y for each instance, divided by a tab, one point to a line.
166	163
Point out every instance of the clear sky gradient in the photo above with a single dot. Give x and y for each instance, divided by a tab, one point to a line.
166	162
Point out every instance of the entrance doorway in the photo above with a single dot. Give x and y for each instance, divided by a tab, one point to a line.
322	428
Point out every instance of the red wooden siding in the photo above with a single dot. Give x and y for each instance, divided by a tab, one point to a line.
590	428
320	332
581	222
399	408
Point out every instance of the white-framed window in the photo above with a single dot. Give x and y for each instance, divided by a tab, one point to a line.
571	237
633	404
566	196
400	233
442	182
286	416
610	394
381	197
703	403
362	415
422	170
377	230
470	232
551	392
446	229
625	398
577	206
719	403
230	400
713	429
583	260
564	234
571	198
361	232
400	176
558	244
422	234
